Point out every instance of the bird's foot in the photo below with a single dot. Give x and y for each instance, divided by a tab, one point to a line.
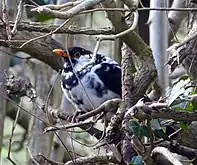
74	117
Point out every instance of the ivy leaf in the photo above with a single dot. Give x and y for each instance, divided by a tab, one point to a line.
179	108
189	107
41	17
136	160
184	126
161	134
135	127
178	89
145	131
184	77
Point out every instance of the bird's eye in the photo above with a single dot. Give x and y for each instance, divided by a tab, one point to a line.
77	54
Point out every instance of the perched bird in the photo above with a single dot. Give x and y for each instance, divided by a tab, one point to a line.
89	81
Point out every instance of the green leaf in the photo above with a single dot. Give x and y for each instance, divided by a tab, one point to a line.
189	107
136	160
184	77
145	131
42	18
178	108
184	126
161	134
135	127
177	90
138	130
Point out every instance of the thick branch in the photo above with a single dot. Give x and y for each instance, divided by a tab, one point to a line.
47	28
163	156
20	87
147	70
190	153
40	49
93	159
175	17
71	12
185	52
159	110
132	39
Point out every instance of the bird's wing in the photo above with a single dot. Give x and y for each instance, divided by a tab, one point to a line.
110	75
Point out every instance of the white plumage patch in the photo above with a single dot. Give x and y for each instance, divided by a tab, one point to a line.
90	91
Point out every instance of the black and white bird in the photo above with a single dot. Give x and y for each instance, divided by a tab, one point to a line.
88	82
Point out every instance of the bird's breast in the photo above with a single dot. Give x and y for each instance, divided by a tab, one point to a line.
86	90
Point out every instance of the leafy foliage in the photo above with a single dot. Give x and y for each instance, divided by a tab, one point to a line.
136	160
38	17
180	88
139	130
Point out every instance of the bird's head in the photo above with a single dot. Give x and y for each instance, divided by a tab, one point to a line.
73	52
77	55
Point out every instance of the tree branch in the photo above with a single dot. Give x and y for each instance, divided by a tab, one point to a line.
159	110
39	49
190	153
163	156
47	28
20	87
101	159
69	13
175	17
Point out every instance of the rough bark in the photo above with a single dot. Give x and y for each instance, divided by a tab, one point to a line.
47	28
147	70
187	51
40	49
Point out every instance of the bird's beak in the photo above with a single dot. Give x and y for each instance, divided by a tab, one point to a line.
60	52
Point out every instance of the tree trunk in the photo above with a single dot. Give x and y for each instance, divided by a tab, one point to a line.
159	40
4	65
38	142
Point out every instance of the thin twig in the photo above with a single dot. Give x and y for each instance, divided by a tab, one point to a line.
6	19
12	133
45	35
31	156
32	1
64	127
50	161
48	96
113	37
96	48
69	13
65	148
22	108
92	61
18	17
151	135
170	136
169	9
182	43
139	9
89	100
61	6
